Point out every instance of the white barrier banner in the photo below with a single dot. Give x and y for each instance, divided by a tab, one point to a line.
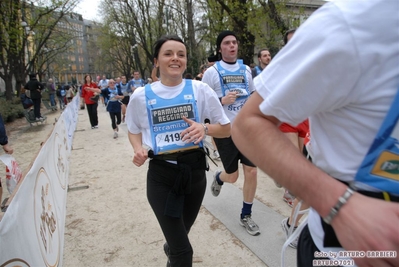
32	229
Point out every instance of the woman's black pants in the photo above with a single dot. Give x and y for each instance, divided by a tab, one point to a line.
161	177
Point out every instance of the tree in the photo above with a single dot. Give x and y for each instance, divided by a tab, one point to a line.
9	41
130	28
139	23
260	23
26	29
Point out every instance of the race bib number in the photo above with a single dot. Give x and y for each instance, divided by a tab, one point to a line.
169	138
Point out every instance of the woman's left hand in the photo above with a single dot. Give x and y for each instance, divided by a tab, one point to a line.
194	133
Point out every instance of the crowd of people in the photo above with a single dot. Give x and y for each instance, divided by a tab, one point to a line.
32	94
320	118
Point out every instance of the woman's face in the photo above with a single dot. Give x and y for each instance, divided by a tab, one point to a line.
88	79
172	61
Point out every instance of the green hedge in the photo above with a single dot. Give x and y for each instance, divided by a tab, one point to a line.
10	110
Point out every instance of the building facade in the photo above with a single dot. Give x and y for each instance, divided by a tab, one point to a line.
79	59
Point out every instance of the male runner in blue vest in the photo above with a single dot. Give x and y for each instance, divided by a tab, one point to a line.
232	82
264	58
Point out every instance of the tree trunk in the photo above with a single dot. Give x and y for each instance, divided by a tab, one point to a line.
246	38
192	46
9	90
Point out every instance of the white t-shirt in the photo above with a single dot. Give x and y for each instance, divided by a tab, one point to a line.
340	69
103	84
212	78
208	106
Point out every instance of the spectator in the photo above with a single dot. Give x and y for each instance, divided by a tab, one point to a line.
6	147
70	93
3	138
35	88
51	92
60	96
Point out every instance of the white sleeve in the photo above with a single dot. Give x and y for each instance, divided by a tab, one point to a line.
251	86
136	112
211	77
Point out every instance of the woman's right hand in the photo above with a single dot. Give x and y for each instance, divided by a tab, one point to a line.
140	156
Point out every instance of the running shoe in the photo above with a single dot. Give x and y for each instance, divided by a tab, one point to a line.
251	227
215	186
286	231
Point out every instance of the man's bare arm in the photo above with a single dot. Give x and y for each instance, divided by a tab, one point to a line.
259	138
363	224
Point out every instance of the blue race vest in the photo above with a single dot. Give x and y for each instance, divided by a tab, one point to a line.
257	70
380	167
137	83
112	94
124	88
165	117
234	81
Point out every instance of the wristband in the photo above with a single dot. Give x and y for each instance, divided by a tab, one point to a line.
205	128
342	200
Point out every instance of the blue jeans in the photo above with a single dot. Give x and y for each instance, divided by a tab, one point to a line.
61	101
52	100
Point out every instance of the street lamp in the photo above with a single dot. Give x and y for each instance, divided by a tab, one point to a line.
133	47
167	20
133	50
68	70
46	50
28	34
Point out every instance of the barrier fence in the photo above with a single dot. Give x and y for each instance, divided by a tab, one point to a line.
32	229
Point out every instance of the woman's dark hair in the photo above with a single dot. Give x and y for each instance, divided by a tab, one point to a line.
286	35
91	80
158	44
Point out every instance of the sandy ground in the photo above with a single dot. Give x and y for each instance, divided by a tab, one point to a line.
109	221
